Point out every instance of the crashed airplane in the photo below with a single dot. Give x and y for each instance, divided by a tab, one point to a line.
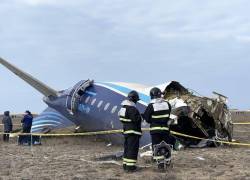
94	106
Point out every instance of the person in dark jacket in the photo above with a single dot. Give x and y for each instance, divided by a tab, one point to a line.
26	124
7	122
157	114
131	120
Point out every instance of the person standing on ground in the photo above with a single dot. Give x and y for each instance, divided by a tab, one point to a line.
7	123
26	124
157	114
131	120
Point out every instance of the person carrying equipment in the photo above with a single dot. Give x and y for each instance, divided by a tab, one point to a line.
131	120
157	114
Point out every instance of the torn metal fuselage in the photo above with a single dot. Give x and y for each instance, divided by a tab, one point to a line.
203	117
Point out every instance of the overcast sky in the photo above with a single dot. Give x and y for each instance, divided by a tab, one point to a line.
205	45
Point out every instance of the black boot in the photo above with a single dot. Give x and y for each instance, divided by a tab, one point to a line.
161	167
124	167
131	169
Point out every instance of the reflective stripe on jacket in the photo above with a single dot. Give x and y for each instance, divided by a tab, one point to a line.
130	118
157	115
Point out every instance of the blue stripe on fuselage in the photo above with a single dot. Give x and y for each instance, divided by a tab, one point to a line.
49	120
50	117
49	114
126	90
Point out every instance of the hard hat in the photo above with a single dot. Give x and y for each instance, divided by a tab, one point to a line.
155	93
133	96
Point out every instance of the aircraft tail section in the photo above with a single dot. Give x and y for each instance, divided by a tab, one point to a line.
35	83
50	120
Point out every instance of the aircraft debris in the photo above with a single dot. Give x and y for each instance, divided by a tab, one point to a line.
199	116
200	158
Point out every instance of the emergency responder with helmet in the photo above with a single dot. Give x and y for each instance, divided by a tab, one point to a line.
157	114
131	119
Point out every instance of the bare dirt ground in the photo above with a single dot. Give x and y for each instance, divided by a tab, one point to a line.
76	158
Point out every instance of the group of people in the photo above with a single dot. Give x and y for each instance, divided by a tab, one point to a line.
157	114
26	127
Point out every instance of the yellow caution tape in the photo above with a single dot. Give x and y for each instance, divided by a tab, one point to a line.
236	123
68	134
242	123
118	131
224	142
194	137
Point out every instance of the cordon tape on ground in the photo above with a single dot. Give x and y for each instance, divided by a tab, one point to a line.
119	131
242	123
237	123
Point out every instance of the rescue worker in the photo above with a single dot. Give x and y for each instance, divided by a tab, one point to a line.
7	123
26	124
157	114
131	120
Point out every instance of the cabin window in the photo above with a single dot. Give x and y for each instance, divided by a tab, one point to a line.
114	109
87	99
93	102
99	104
106	106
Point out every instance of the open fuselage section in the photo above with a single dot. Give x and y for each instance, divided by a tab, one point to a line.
97	110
